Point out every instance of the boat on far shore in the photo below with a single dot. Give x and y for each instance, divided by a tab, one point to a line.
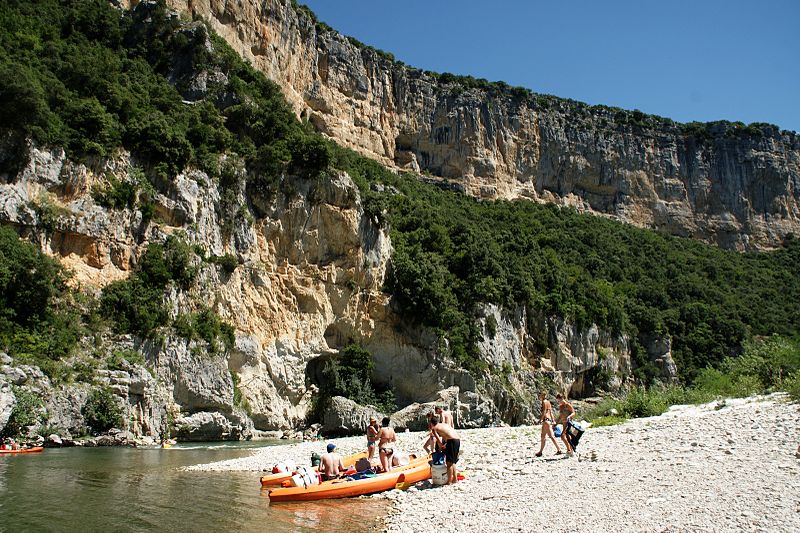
35	449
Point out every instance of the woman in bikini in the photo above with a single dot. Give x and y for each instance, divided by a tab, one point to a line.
372	437
386	440
547	424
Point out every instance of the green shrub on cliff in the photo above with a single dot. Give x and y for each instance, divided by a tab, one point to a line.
39	323
27	411
102	411
207	326
350	375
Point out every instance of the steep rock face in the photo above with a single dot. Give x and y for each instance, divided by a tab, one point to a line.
737	187
309	279
7	403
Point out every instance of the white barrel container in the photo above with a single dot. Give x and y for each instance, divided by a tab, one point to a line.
439	474
305	477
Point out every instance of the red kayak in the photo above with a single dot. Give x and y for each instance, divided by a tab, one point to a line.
37	449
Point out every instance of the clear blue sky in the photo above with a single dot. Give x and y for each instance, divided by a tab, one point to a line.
683	59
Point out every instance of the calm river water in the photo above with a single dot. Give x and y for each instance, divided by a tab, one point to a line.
128	489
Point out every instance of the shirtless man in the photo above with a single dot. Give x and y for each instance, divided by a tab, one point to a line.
447	437
565	414
547	424
386	440
445	416
331	464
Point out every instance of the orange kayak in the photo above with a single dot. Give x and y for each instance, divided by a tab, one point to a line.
37	449
280	477
417	470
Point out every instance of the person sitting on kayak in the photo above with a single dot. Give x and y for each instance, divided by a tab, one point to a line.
447	437
331	465
386	440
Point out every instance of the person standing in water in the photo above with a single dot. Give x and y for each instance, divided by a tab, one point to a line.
372	437
547	424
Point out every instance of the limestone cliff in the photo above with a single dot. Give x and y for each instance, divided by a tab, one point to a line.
735	186
309	279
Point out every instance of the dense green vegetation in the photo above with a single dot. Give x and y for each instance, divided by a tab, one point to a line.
92	79
350	375
27	411
39	319
767	365
101	411
77	74
452	253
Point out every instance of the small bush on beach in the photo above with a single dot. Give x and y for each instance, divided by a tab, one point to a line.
641	402
608	421
793	386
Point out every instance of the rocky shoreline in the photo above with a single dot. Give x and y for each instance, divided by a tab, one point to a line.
723	466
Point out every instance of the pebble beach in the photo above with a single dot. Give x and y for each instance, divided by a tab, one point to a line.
724	466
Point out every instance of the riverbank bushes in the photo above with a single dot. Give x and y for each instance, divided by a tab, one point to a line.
39	321
27	411
768	365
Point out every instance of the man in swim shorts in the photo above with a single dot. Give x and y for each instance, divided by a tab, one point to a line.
565	414
447	437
